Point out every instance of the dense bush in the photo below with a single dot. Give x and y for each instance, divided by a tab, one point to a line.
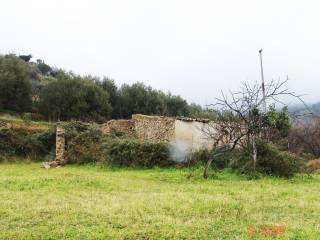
219	162
74	128
133	152
275	162
305	138
271	160
20	142
84	144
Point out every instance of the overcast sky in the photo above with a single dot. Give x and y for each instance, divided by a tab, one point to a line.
192	48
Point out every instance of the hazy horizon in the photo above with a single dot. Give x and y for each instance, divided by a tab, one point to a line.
194	49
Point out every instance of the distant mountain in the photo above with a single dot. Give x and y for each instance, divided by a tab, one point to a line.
306	111
316	108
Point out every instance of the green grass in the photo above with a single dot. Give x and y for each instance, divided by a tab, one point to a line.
17	122
89	202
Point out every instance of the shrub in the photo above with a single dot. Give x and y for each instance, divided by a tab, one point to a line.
47	140
26	116
219	162
133	152
200	156
305	138
85	146
313	166
74	128
270	161
240	160
20	142
275	162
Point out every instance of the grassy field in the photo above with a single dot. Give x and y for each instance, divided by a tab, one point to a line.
87	202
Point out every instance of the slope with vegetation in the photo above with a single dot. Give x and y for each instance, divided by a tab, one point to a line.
27	86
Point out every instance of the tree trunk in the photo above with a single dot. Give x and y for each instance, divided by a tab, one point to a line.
254	151
207	167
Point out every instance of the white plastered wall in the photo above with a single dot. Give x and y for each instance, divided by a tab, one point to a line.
191	135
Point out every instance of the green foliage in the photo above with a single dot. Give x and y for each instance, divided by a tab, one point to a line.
200	156
219	162
139	98
275	162
176	106
57	94
21	142
74	128
270	161
72	97
132	152
111	88
278	120
83	144
44	68
47	140
15	88
196	111
26	116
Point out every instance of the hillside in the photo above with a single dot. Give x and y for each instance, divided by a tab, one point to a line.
57	94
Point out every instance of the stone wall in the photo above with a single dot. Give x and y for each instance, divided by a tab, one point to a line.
123	126
185	133
154	128
60	145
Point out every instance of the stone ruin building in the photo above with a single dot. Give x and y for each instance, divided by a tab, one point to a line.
183	134
186	132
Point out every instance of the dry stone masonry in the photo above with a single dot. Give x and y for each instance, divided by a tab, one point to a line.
60	149
154	128
60	145
187	132
124	126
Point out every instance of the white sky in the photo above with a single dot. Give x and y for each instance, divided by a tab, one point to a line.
192	48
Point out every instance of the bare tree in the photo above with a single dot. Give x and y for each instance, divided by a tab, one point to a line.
241	120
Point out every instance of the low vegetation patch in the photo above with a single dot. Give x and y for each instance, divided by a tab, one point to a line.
25	143
313	166
131	152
